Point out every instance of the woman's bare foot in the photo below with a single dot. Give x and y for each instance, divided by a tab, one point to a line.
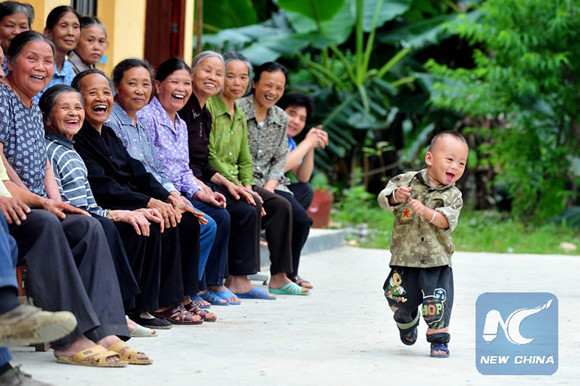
301	282
81	344
220	288
110	340
239	284
137	330
131	325
279	280
212	297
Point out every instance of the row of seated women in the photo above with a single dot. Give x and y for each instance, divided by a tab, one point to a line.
145	172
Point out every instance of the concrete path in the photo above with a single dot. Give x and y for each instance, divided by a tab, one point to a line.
342	334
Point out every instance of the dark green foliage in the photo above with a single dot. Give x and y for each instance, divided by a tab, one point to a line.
525	80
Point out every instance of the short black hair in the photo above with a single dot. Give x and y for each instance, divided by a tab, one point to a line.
169	66
127	64
57	13
298	99
89	21
452	133
269	67
76	82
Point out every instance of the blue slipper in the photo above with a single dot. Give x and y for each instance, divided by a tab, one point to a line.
409	338
197	300
256	293
227	295
289	289
439	347
213	299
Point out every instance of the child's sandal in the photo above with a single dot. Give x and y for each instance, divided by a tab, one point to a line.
409	338
439	347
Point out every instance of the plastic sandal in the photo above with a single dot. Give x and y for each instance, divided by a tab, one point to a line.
289	289
257	293
205	315
409	338
129	355
143	332
439	347
198	301
178	315
98	358
215	300
227	295
301	282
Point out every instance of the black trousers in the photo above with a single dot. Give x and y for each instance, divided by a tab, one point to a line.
144	255
70	268
180	244
244	244
303	193
427	290
278	225
127	282
301	224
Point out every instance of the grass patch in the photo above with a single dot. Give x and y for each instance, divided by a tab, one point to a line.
478	231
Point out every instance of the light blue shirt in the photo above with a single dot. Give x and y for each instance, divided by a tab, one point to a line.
139	144
65	76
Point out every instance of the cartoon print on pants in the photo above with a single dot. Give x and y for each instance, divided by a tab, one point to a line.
394	288
433	308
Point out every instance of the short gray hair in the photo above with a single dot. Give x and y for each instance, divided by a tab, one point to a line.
49	97
203	56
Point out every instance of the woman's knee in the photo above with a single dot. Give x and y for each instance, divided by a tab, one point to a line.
210	227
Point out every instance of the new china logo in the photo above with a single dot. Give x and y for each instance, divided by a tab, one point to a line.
516	333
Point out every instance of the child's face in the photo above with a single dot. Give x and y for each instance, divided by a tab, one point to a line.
446	161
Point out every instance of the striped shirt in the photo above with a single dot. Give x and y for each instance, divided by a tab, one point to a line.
71	174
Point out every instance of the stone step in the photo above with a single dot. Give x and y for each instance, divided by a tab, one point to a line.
318	240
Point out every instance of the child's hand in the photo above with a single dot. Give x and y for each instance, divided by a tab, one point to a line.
417	207
402	194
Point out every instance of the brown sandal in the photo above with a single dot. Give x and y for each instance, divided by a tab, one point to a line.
178	315
301	282
205	315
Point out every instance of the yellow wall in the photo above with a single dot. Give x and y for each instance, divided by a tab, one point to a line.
41	10
189	27
125	22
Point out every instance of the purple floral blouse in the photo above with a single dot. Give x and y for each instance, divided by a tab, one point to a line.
171	144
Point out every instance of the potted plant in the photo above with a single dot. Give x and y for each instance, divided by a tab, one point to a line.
321	205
